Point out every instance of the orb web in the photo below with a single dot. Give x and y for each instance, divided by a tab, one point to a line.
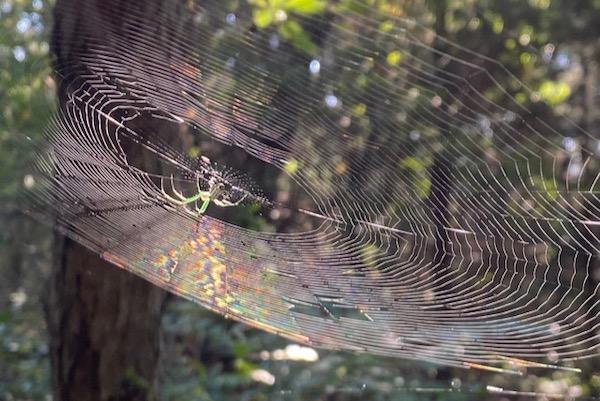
436	218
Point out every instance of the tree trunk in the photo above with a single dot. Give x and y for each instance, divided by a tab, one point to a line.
103	322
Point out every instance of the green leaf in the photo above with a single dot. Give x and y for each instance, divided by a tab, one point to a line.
359	109
263	18
306	7
242	349
292	31
244	367
291	166
5	317
423	188
135	378
394	58
554	92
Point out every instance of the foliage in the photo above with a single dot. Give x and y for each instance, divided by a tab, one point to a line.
27	91
24	372
277	12
26	101
222	360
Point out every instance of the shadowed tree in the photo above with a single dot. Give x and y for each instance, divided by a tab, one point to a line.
103	321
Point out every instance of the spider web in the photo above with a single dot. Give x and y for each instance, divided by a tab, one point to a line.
433	217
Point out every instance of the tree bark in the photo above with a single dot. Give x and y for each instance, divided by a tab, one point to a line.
103	322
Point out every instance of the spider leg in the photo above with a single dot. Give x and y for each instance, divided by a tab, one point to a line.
176	192
181	200
240	200
202	208
226	203
213	195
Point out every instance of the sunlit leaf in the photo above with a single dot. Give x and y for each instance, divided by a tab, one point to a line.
554	92
394	58
263	17
293	31
306	7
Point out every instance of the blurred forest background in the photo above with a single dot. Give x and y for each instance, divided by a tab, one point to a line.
189	353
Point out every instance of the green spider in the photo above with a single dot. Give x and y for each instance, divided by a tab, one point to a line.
214	194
